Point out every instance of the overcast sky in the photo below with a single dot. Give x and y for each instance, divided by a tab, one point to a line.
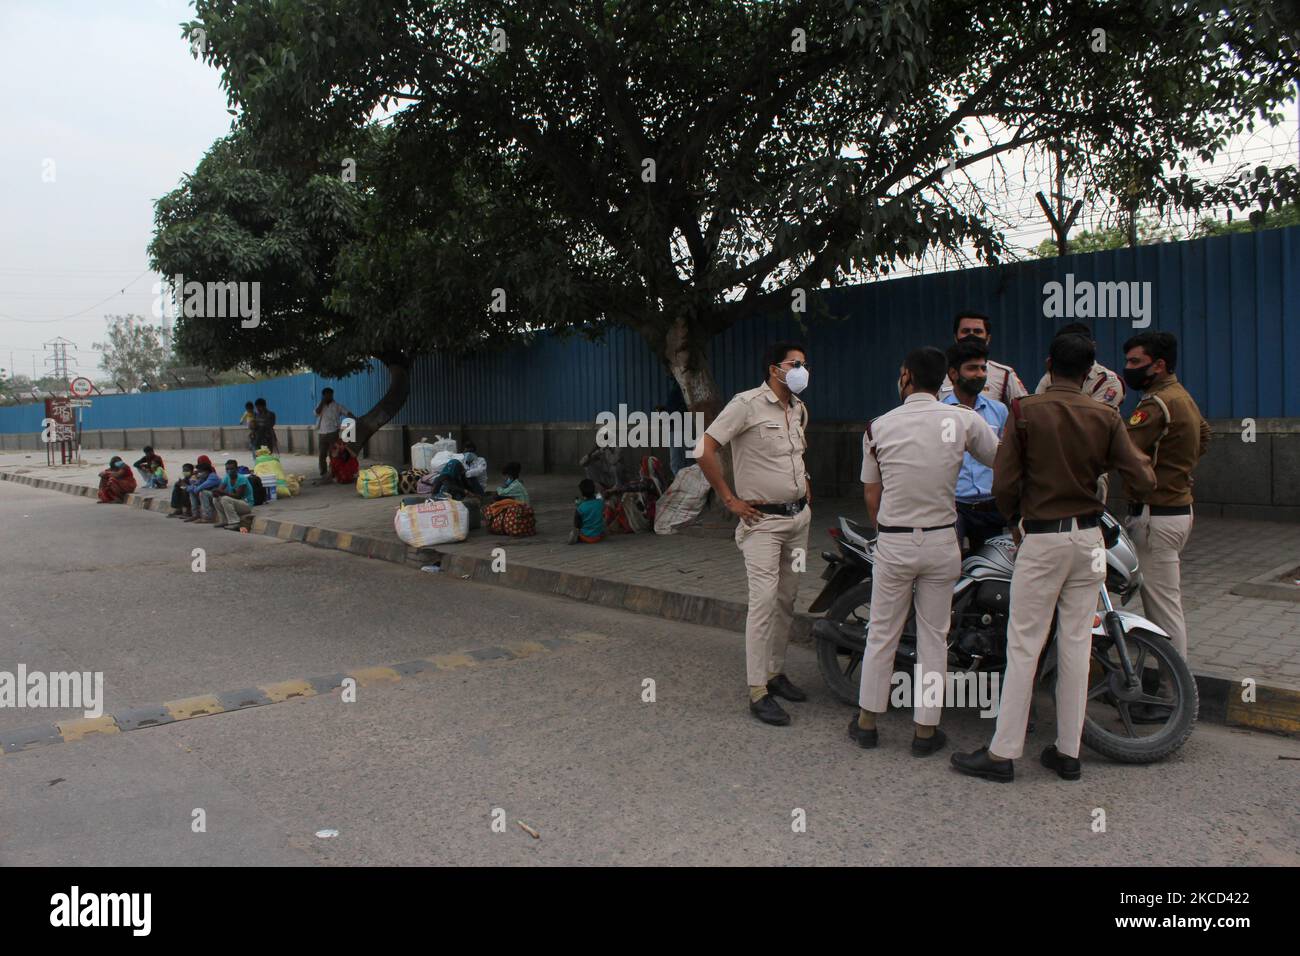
108	91
104	96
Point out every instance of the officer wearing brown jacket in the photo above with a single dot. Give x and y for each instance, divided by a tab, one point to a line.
1045	477
1168	427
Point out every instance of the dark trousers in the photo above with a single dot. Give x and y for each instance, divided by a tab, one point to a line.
180	496
323	445
978	525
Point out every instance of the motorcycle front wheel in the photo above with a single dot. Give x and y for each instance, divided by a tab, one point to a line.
1111	722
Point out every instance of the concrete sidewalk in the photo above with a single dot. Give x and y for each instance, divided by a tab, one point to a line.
699	576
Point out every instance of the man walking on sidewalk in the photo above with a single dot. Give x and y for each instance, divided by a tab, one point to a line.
765	429
910	460
1168	426
1045	480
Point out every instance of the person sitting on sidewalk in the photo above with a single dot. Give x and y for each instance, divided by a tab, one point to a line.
231	499
513	487
343	464
181	493
148	466
205	479
450	481
115	482
588	515
475	470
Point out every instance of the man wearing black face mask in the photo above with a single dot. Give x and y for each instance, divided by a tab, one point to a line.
978	518
1168	427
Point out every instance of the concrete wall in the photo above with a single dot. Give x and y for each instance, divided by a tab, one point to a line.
1237	478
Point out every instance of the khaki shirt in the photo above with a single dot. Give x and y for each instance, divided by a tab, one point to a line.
1054	448
915	451
1003	384
1168	426
1102	384
767	445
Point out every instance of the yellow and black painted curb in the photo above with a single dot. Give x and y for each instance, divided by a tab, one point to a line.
205	705
1275	709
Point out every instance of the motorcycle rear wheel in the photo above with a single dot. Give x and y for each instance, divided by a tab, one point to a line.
841	669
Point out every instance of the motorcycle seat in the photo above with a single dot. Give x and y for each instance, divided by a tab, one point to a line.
858	534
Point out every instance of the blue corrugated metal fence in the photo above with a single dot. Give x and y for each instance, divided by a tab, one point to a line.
1232	302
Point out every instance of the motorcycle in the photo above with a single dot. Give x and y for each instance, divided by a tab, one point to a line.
1133	661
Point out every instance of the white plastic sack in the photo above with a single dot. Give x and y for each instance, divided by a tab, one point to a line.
683	501
421	454
432	522
444	443
441	458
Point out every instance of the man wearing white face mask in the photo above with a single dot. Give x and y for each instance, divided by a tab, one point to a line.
765	428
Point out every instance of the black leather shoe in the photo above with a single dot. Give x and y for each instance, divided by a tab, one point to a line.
924	746
1150	713
769	711
780	686
980	764
866	739
1067	768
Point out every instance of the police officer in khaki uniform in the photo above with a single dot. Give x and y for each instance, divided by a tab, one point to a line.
1045	477
1168	426
765	428
911	457
1101	383
1003	383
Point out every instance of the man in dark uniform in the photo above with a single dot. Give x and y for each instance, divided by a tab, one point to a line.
1045	478
1167	426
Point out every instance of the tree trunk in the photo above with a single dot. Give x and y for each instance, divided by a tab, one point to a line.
399	387
688	359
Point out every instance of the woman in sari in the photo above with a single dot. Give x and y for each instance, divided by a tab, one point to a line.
116	481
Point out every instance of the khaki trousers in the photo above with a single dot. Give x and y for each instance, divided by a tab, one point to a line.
768	547
231	509
1054	572
930	562
1160	540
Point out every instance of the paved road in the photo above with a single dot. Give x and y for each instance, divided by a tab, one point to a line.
412	770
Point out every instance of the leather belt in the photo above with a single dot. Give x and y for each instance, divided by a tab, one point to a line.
988	505
1059	525
894	529
790	509
1159	511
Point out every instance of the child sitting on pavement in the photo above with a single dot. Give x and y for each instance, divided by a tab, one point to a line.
588	515
513	487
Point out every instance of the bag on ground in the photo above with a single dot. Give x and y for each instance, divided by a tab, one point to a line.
683	501
432	523
377	481
408	482
269	468
510	517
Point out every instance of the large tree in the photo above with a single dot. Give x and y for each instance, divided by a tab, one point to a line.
711	158
352	265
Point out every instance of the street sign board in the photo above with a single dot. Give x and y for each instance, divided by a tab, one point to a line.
81	386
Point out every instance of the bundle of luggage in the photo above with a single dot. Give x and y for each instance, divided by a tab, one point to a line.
510	517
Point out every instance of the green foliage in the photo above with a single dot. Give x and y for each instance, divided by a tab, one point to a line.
134	352
776	166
